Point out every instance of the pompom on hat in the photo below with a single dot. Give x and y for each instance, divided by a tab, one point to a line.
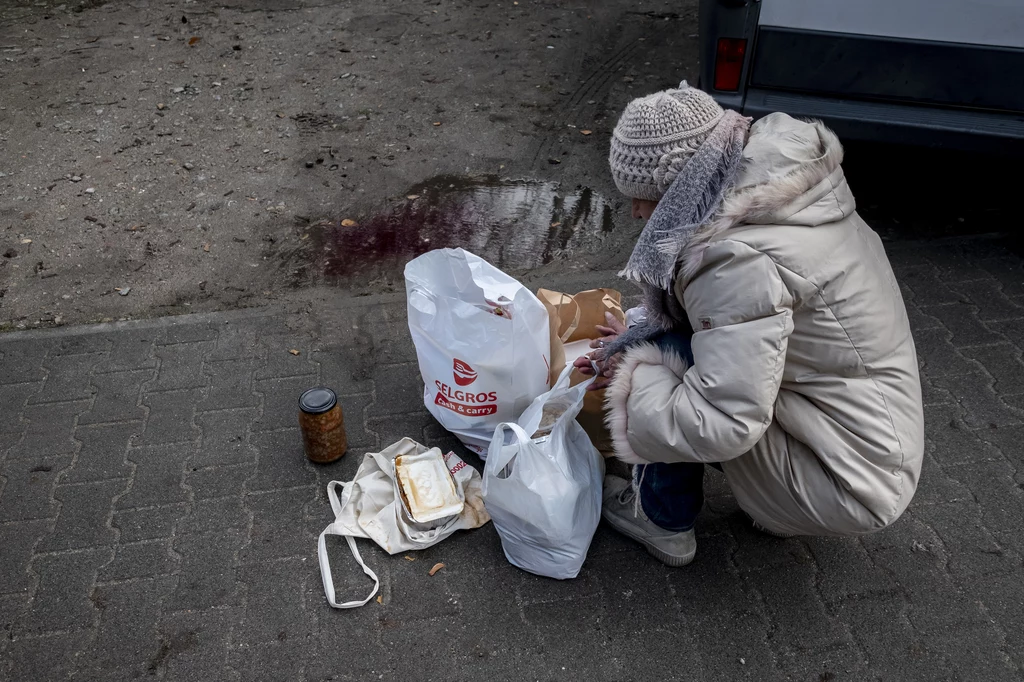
655	137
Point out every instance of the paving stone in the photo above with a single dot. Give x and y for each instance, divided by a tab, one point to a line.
28	493
282	363
237	340
49	430
627	608
47	659
800	618
193	645
63	597
216	513
894	651
67	378
920	321
1008	270
224	438
126	637
970	547
399	390
1003	596
345	368
18	538
354	408
937	487
117	396
732	637
159	472
352	649
147	523
837	663
390	430
206	576
1000	498
131	350
844	568
938	355
82	523
281	402
277	525
281	462
181	367
982	406
427	648
231	384
280	661
218	481
145	559
927	286
976	654
274	600
12	402
951	441
990	301
23	361
962	322
103	451
1004	363
933	395
170	417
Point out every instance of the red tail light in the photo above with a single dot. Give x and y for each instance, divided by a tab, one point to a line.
729	63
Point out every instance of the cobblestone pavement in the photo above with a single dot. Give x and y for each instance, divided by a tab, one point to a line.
158	520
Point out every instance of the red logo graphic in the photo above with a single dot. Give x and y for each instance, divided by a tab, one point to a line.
464	374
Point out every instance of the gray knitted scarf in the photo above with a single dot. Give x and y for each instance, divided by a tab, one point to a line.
692	200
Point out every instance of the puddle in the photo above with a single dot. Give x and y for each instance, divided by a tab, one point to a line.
514	224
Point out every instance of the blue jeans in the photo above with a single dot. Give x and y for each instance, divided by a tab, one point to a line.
672	494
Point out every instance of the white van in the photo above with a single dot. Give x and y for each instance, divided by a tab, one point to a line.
930	72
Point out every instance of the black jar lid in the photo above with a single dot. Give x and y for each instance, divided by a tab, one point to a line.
317	400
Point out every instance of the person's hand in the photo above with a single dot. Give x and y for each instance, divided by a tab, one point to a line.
605	366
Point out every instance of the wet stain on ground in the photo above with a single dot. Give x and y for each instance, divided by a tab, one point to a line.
515	224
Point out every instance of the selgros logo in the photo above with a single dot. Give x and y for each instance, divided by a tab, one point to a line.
464	374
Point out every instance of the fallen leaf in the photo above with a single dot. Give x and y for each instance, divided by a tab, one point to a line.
161	106
206	247
413	196
380	598
193	40
409	558
348	222
437	123
294	351
436	568
558	224
586	132
26	241
554	162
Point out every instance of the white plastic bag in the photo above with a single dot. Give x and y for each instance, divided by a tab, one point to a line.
481	339
370	507
544	493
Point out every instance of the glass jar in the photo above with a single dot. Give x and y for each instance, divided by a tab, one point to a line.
323	425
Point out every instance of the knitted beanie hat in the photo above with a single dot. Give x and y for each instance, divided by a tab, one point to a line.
656	136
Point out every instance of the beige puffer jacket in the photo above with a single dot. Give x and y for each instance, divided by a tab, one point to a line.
805	381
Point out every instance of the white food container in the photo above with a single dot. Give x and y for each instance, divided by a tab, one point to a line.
427	487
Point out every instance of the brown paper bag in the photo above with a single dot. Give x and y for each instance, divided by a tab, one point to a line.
574	318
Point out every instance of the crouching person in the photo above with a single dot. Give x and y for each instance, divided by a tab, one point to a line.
776	344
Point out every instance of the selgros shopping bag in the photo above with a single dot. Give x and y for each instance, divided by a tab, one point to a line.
481	339
542	484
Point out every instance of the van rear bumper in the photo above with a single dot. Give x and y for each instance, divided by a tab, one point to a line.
970	130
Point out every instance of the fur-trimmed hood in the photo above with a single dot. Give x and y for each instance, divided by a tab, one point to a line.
791	175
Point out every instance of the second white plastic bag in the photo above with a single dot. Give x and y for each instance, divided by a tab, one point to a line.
544	493
482	342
